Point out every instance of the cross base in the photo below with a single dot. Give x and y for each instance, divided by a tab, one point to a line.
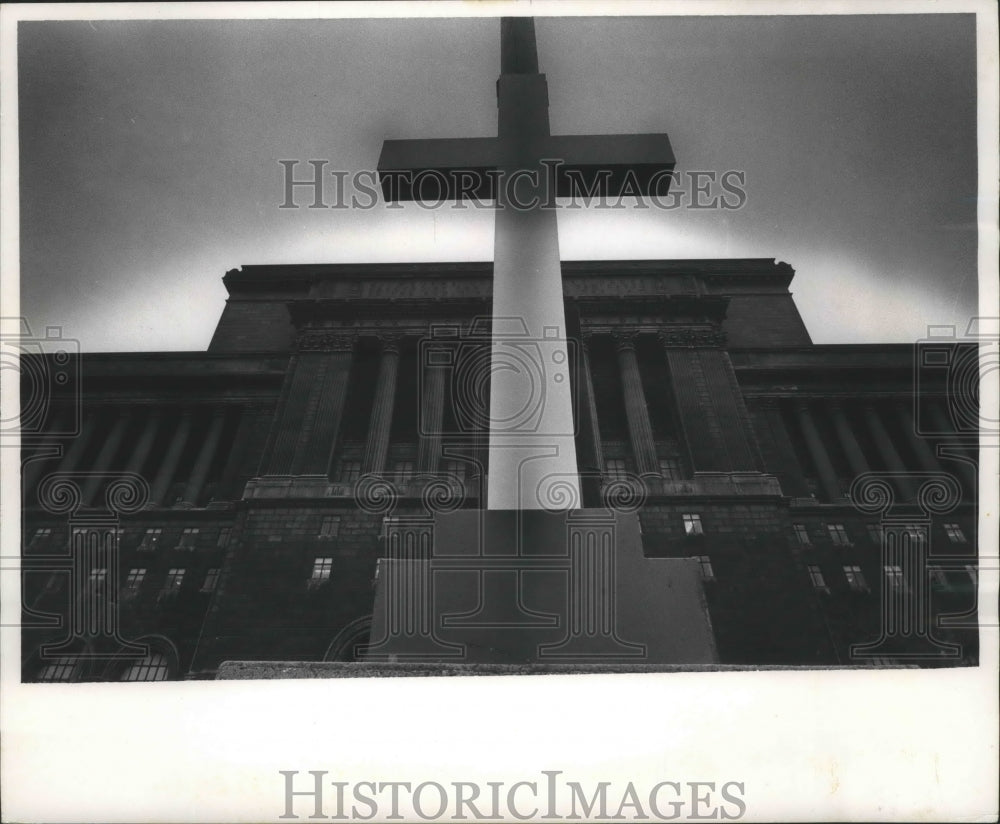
535	587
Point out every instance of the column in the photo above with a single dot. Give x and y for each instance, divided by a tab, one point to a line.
919	444
782	460
639	429
325	357
251	429
955	448
590	402
104	456
431	417
377	446
137	459
199	473
814	442
167	469
883	443
855	457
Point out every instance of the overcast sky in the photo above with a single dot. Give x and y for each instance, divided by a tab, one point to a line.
149	156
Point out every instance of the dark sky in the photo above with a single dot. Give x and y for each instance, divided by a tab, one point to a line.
149	155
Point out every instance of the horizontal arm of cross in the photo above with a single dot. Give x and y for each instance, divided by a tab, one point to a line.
462	168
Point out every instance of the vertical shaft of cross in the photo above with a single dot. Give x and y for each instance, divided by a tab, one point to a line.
531	447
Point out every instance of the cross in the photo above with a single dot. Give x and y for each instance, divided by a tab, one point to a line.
532	454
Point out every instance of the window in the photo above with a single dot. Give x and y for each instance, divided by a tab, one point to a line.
175	578
615	468
954	533
403	471
970	570
801	533
894	575
189	538
135	577
692	524
322	567
838	535
150	540
938	578
874	533
39	537
224	535
330	527
670	469
817	579
153	667
348	471
61	669
855	578
707	573
211	579
98	575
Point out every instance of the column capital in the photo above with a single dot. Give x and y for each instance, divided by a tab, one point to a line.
625	339
690	337
326	340
391	342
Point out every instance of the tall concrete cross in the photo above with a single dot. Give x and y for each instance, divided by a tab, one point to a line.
532	455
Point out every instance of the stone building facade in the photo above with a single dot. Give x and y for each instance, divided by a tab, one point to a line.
184	509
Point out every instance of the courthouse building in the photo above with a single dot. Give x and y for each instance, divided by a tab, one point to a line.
182	509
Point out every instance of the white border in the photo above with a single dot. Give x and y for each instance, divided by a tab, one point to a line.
858	745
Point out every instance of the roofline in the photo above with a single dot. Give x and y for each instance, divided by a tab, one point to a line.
254	274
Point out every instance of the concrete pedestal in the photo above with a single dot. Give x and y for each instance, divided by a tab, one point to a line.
510	587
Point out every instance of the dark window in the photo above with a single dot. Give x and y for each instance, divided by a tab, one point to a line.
61	669
211	580
153	667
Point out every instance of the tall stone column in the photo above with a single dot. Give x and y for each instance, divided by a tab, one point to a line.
590	399
431	419
377	447
104	456
202	464
883	443
325	355
168	468
821	459
144	445
781	458
855	456
639	429
713	415
919	444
